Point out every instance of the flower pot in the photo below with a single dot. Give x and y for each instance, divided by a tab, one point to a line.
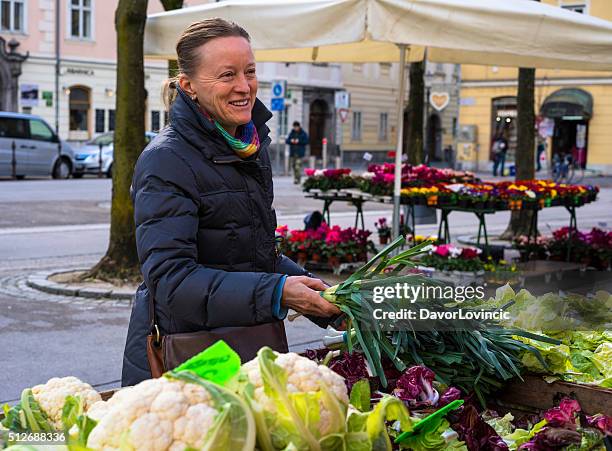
362	257
302	257
432	200
384	239
515	204
349	258
316	258
501	204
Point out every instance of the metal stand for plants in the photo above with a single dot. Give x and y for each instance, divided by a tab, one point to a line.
573	229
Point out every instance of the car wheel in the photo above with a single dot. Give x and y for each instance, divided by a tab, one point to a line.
20	177
61	170
77	175
109	173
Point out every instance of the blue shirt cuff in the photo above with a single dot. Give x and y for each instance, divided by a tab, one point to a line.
278	310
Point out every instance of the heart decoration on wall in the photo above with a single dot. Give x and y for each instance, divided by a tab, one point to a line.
439	100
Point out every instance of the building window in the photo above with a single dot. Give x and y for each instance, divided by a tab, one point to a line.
356	129
111	120
383	126
154	121
100	121
284	121
79	109
385	69
12	14
81	19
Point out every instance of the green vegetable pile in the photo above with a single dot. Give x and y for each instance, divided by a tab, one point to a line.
581	324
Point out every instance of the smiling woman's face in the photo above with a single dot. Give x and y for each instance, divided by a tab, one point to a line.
225	83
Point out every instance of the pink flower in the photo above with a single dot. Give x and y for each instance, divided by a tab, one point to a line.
388	178
282	230
309	172
443	250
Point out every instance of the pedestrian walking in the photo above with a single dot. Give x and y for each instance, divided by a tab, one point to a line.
297	140
500	148
541	148
205	226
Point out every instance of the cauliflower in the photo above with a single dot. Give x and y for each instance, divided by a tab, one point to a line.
295	401
52	396
172	413
41	407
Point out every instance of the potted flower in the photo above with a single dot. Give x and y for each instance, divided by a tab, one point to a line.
383	229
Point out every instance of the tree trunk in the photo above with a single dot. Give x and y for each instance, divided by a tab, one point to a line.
121	259
414	143
172	4
525	149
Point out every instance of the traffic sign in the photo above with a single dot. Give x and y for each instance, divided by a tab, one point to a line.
342	99
343	112
278	88
278	104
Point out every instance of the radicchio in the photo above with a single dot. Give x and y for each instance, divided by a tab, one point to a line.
415	387
601	422
476	433
563	416
352	367
450	395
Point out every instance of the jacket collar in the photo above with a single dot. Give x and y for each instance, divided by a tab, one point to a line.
187	119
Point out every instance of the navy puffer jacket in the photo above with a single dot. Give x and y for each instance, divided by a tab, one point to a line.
204	231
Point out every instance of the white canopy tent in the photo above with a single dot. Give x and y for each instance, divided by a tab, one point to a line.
519	33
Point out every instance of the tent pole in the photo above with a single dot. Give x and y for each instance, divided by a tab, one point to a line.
400	140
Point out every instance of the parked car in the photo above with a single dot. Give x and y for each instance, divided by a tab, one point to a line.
87	158
29	146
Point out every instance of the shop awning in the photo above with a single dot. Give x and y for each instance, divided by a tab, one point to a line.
568	103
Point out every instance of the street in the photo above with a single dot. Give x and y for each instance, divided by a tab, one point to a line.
49	224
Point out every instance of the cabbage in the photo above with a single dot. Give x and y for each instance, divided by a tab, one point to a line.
369	429
602	359
435	436
502	425
555	356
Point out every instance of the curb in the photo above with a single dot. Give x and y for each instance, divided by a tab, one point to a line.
40	281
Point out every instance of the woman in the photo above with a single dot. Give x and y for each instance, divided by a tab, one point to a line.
202	194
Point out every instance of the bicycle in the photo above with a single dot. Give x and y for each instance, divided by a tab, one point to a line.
564	169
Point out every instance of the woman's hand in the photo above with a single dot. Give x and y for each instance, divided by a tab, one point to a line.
300	294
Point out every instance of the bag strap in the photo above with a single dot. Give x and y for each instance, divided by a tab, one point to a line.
153	320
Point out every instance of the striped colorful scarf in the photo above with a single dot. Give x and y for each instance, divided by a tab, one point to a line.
247	142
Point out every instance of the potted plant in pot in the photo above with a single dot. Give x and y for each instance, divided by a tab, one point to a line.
383	229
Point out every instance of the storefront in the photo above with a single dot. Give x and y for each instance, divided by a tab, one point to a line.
503	124
571	110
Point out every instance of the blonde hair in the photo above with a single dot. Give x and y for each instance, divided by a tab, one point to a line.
196	35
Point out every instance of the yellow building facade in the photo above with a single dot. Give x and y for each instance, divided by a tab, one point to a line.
573	109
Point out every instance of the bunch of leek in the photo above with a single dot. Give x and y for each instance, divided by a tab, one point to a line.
476	357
